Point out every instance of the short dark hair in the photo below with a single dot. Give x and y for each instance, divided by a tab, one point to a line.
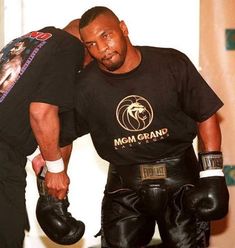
92	13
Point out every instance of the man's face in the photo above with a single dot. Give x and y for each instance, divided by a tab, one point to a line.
105	39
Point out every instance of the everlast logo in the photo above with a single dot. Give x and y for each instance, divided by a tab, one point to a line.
212	161
155	171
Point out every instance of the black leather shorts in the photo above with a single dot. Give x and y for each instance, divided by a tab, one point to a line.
126	224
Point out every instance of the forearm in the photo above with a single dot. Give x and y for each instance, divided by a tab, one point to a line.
209	134
44	121
209	199
66	153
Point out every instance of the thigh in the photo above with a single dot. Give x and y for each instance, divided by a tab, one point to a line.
178	229
13	217
123	225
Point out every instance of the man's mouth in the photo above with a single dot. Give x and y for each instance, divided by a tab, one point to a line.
108	56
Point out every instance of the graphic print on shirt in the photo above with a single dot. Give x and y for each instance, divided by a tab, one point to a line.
16	57
134	113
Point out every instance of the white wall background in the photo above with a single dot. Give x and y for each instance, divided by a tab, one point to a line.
1	23
165	23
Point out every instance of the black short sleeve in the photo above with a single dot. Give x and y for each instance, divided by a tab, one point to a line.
197	98
64	59
72	126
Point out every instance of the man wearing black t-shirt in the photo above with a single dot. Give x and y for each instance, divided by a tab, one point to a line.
143	106
37	73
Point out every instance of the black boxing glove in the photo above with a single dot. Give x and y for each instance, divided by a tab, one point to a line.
209	199
53	217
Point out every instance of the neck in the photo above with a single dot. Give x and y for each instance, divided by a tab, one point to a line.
133	59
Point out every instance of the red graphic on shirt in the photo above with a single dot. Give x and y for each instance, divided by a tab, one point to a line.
39	35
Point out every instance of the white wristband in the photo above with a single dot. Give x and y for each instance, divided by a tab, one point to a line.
211	173
55	166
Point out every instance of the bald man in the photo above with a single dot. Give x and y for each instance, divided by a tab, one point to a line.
35	90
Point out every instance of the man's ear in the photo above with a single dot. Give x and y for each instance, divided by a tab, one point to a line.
124	28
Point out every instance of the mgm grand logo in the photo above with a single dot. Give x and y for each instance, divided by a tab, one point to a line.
141	138
134	113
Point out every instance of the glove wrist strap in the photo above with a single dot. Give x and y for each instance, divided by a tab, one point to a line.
212	164
55	166
211	173
211	160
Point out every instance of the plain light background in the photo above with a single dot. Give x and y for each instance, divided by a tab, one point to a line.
163	23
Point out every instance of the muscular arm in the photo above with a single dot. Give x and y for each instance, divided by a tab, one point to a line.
66	152
44	121
210	134
45	124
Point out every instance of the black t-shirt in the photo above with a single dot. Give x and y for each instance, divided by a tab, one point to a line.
40	66
146	114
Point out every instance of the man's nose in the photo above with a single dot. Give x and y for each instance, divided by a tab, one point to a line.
102	46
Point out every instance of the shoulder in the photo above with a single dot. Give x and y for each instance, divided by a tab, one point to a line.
61	40
165	54
89	79
90	73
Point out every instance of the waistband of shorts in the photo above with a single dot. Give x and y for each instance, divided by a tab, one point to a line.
173	170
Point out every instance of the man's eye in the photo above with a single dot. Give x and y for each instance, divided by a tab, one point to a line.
90	45
106	36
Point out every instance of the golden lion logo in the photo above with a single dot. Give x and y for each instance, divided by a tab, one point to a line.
134	113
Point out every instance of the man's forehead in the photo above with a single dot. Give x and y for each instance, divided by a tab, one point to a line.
104	20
